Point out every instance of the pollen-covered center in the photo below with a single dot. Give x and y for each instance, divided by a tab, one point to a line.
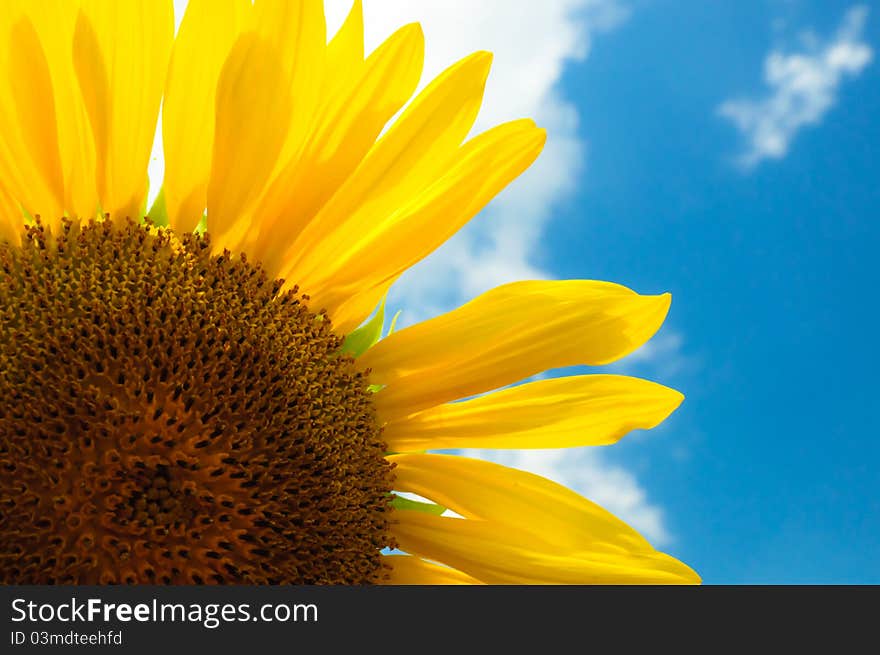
168	416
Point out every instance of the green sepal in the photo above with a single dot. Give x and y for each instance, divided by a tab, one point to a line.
399	502
159	211
202	227
361	339
393	323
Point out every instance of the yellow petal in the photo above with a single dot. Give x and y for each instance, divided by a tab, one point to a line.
498	554
297	31
94	85
10	218
339	140
406	160
54	22
406	570
584	410
204	40
350	314
507	334
252	112
477	489
121	52
13	178
31	86
345	52
23	175
380	247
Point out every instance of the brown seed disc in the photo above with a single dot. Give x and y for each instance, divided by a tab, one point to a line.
168	416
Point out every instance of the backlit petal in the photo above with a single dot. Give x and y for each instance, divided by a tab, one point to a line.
346	130
121	53
478	489
54	22
407	159
584	410
207	33
297	31
31	86
10	218
497	554
507	334
22	168
407	570
252	111
345	52
379	247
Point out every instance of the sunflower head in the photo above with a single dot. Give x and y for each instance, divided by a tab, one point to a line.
197	396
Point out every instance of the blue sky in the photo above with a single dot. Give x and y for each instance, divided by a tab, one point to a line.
765	232
722	151
773	274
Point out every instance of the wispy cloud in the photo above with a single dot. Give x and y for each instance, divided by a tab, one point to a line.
803	88
663	358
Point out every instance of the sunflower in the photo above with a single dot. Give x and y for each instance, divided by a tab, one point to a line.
197	393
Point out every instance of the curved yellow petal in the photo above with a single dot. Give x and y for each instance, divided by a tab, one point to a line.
345	52
298	32
15	174
252	116
204	40
10	218
23	175
583	410
507	334
121	53
54	22
350	314
31	85
346	130
407	159
94	86
478	489
498	554
379	247
408	570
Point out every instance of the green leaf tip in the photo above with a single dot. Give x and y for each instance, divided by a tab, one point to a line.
159	211
398	502
361	339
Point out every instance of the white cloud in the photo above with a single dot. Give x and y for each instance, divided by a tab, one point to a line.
803	88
